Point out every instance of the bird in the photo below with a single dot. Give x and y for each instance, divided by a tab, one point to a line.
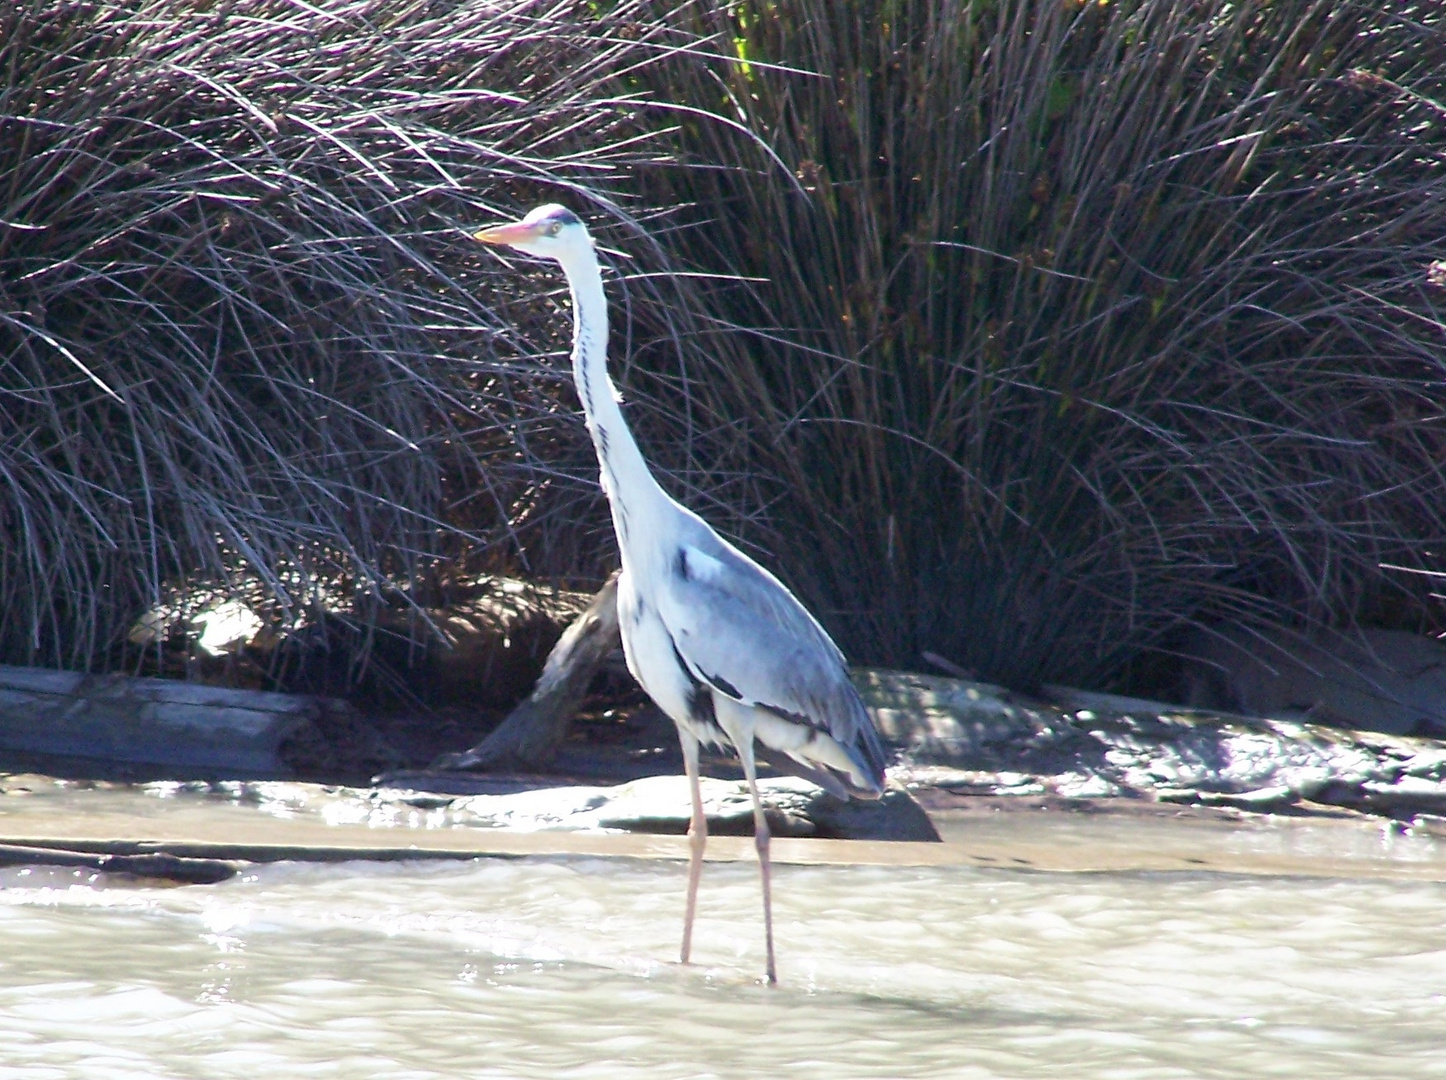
717	641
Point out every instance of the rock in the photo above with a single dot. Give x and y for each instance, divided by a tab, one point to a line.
655	804
660	804
896	815
1372	680
939	719
217	628
226	627
973	738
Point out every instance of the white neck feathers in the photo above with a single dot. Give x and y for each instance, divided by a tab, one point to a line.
632	491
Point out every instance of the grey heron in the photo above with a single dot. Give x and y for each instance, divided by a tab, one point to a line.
718	642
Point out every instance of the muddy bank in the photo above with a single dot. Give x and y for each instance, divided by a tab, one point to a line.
197	831
959	744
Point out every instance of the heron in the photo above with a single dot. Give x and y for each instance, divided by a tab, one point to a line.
717	641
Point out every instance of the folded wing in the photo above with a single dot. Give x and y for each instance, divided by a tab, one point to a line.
739	631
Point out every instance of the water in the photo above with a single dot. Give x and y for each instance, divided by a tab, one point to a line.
561	968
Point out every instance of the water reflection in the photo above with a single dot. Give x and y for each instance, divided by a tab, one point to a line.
561	968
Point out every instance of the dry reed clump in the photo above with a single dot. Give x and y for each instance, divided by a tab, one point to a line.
1073	325
1097	321
242	340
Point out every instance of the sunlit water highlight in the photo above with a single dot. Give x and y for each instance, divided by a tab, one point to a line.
560	968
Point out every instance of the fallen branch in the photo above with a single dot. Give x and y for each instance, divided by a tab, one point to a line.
532	732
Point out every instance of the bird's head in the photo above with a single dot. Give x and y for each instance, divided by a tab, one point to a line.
549	232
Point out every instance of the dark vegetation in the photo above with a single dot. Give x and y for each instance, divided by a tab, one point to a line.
243	343
1028	333
1135	307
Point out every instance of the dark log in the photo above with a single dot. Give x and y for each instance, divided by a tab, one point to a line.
155	865
533	732
175	726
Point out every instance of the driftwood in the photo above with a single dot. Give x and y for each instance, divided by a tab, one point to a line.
151	864
532	732
152	722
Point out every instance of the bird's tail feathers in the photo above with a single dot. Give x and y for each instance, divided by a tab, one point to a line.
851	766
867	751
836	782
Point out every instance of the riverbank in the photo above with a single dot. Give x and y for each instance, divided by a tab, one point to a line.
960	746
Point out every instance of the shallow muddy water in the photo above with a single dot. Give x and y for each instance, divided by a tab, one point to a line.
560	967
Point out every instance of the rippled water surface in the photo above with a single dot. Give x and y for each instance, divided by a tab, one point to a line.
560	968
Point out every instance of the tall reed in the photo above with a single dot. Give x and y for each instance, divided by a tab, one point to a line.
244	341
1093	321
1023	331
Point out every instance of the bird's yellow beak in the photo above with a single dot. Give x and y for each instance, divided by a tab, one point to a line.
513	233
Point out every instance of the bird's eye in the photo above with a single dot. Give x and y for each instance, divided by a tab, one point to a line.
554	228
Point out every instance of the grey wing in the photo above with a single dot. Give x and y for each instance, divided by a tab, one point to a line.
740	631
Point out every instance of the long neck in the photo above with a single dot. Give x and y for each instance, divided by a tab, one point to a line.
632	491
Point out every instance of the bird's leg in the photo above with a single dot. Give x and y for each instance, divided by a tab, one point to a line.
697	840
761	838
